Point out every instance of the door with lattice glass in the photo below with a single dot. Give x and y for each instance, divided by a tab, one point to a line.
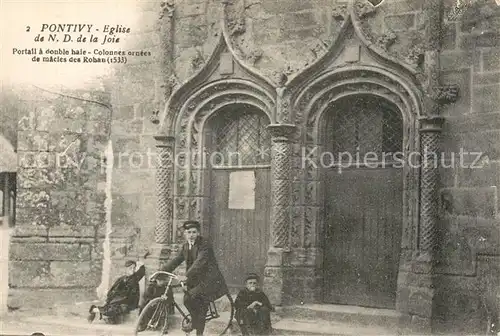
363	203
240	191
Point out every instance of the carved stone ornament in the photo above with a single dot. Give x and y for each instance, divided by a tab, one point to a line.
387	40
198	60
363	8
154	117
446	94
167	7
339	12
255	56
237	26
416	55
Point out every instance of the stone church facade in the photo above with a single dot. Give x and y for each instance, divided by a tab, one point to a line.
281	83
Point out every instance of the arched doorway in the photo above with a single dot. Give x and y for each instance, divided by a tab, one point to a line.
363	201
240	204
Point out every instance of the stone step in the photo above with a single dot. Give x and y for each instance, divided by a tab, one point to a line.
289	326
352	315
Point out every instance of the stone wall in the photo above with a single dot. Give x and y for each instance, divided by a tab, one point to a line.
470	229
134	96
57	240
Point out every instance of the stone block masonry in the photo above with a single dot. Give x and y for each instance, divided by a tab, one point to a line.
469	202
59	210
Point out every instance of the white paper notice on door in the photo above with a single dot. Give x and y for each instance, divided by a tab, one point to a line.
242	190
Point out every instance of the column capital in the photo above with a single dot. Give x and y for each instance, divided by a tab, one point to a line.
282	132
164	140
431	124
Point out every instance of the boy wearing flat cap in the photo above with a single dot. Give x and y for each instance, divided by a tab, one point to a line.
253	308
204	280
122	297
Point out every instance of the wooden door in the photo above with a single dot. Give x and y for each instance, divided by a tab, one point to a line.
240	233
364	212
364	205
240	236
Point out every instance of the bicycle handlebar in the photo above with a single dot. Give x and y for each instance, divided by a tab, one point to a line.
171	275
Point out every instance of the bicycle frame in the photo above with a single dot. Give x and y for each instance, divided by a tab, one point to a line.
212	310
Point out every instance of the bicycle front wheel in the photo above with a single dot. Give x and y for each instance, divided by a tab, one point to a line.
153	320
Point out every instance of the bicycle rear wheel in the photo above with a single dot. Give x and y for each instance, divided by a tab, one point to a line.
224	323
153	320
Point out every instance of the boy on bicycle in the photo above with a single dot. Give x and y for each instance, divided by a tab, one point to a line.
203	279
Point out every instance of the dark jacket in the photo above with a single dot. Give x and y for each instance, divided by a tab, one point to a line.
126	290
203	275
246	297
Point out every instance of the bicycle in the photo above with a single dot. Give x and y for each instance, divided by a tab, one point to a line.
156	318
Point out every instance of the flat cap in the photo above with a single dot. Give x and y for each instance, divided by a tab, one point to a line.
191	224
252	276
129	263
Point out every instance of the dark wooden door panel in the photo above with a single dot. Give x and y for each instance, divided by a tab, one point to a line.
240	236
362	236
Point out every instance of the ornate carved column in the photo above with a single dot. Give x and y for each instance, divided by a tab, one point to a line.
164	203
420	284
430	130
281	167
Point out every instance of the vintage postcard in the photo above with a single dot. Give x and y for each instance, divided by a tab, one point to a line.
249	167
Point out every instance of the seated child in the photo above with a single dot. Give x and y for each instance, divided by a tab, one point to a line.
253	309
123	296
